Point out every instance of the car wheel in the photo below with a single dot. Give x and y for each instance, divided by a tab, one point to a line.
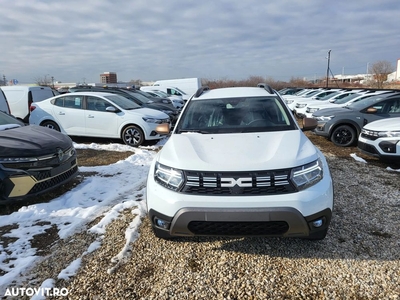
343	136
51	125
133	136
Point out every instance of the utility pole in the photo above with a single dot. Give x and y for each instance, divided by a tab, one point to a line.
327	70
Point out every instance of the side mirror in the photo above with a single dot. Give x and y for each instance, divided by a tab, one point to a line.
309	124
371	110
111	109
162	129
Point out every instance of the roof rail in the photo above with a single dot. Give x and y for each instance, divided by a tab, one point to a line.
266	87
201	90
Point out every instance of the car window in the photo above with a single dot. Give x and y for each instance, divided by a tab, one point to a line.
394	106
122	102
231	115
69	101
96	104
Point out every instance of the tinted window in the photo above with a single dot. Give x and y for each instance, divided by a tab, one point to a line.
69	101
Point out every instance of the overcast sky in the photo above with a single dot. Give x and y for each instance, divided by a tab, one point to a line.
76	41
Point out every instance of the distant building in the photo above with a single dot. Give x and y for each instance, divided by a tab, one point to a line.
395	76
108	77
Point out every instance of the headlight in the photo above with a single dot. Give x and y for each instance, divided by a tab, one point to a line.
153	120
289	101
324	118
298	105
311	110
169	178
308	175
389	133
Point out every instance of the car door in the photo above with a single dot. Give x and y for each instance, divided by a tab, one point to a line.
69	114
99	121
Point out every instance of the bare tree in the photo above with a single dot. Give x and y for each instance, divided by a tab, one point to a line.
43	81
380	70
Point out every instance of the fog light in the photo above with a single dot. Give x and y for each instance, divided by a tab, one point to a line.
161	223
317	223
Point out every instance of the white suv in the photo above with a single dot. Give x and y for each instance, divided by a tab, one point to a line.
238	164
381	138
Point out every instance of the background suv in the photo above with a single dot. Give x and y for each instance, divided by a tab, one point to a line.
343	125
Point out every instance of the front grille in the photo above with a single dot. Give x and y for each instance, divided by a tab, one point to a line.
51	160
367	148
238	183
238	228
53	181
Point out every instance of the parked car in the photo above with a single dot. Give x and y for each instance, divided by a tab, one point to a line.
345	101
170	90
381	139
96	114
33	160
4	107
143	101
343	125
302	105
176	101
237	164
20	98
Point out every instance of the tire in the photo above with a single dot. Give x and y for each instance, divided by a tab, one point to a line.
132	136
51	125
344	136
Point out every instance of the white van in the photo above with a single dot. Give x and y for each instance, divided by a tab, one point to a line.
171	91
4	107
20	98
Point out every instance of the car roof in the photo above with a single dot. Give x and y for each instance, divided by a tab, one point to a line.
232	92
87	93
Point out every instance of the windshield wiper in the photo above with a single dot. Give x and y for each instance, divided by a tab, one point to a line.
193	131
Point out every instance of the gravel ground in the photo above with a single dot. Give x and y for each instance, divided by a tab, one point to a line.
359	258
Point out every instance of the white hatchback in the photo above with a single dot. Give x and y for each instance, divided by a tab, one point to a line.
238	164
98	114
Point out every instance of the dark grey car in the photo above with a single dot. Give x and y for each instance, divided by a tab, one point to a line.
343	125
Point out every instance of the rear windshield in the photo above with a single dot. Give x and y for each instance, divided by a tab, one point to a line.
233	115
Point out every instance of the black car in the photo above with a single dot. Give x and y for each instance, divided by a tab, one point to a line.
139	99
33	159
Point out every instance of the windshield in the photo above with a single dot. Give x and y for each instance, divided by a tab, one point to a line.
8	122
233	115
329	96
122	102
347	98
366	102
139	97
161	94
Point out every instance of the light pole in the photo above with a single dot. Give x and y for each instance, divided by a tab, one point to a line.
327	70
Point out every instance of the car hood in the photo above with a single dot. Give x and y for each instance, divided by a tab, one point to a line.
332	111
148	112
238	151
390	124
32	140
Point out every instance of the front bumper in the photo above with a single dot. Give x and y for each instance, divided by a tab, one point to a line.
386	149
277	221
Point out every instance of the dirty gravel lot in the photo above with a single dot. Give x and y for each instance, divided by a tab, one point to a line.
359	258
